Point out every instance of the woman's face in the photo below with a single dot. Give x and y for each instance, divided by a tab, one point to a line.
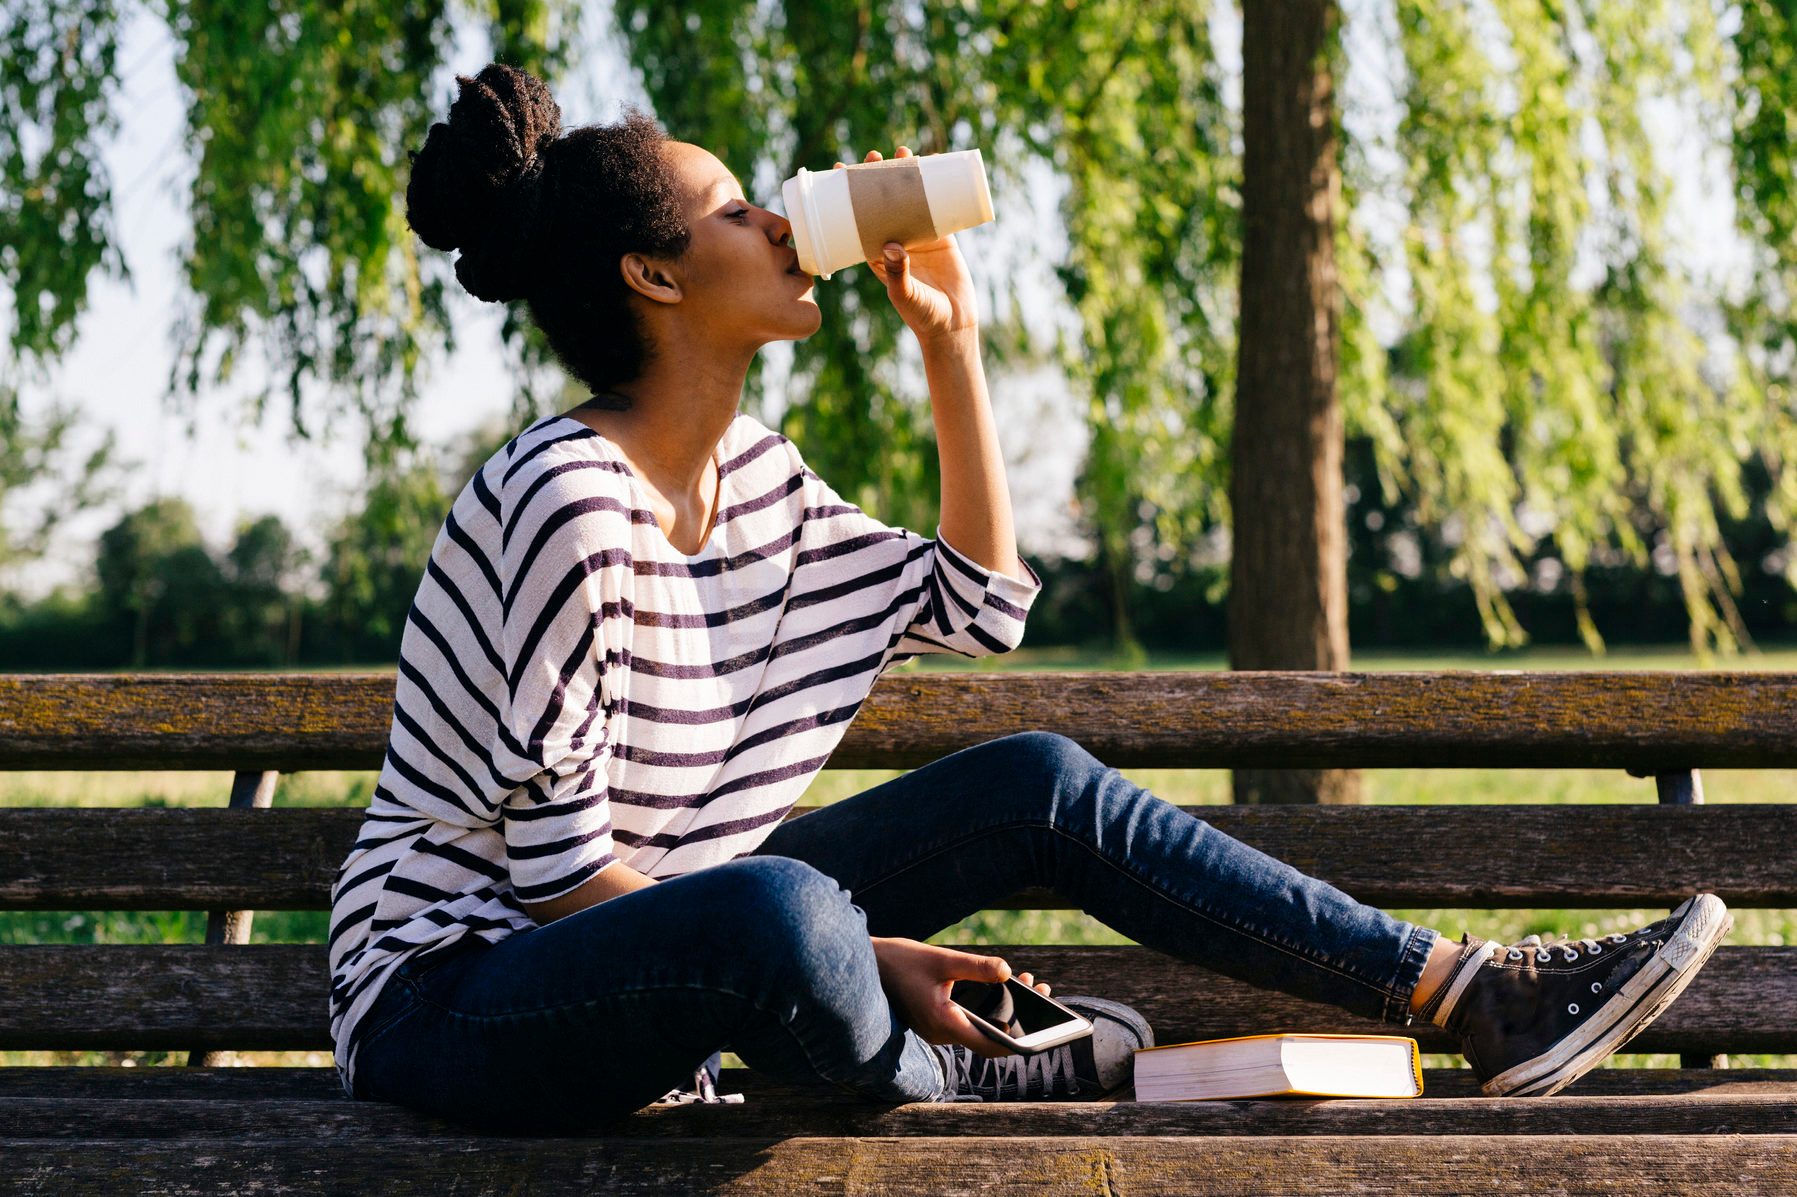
737	280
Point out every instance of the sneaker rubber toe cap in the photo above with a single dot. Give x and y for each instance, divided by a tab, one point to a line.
1117	1032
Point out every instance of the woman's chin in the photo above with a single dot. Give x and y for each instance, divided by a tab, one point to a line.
802	329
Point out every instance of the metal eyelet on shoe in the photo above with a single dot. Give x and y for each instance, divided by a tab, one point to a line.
1614	937
1569	955
1514	954
1572	1008
1596	948
1597	987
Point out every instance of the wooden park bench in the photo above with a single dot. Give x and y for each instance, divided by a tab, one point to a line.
1697	1128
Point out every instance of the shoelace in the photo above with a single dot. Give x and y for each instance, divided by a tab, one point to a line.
1478	952
970	1076
1568	948
703	1092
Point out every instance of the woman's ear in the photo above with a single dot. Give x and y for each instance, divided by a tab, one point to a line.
646	276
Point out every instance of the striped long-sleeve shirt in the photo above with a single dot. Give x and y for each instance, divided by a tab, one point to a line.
573	690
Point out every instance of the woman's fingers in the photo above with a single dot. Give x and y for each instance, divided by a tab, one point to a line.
971	966
904	151
959	1029
952	964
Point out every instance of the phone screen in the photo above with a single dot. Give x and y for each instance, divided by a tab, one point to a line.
1025	1013
1035	1012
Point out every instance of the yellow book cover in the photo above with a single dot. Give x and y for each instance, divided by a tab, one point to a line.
1281	1065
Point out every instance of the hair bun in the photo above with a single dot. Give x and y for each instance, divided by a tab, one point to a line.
477	183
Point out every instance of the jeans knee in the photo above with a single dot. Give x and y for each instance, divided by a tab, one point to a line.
1050	751
789	912
1045	768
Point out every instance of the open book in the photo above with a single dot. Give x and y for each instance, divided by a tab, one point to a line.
1281	1065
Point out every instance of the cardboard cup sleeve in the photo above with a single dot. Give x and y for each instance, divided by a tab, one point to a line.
844	217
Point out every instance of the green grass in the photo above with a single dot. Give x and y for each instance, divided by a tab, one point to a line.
1187	787
1768	657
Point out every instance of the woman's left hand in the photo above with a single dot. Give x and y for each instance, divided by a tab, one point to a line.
929	284
918	977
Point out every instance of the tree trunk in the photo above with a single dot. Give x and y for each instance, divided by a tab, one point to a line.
290	650
140	635
1288	572
1126	649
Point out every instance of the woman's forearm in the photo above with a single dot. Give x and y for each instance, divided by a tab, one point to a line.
976	500
614	879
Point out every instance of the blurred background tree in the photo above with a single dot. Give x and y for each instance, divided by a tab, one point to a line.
264	570
140	567
376	555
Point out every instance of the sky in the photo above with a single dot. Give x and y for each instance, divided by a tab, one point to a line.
233	469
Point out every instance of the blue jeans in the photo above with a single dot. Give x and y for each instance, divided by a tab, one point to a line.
581	1021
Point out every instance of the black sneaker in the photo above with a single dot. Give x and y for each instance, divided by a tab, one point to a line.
1533	1017
1091	1068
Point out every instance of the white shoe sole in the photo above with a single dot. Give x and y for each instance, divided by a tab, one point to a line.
1625	1015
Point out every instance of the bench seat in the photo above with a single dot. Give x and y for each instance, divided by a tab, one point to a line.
96	1131
1027	1165
289	1103
110	1131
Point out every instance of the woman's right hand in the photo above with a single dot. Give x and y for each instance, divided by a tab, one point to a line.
917	978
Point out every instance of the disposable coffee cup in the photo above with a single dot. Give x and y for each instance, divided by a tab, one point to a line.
842	218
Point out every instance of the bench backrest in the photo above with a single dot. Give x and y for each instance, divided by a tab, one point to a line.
247	857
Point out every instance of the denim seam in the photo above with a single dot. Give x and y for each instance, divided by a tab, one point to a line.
810	1062
1415	954
1384	990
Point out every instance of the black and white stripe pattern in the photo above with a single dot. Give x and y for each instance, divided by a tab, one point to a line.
573	690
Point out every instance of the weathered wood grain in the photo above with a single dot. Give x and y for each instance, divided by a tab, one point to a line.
93	858
1644	720
284	722
288	1083
1652	856
155	1082
249	791
272	997
1392	1166
340	1118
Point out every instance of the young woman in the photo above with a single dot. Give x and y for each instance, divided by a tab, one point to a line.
643	628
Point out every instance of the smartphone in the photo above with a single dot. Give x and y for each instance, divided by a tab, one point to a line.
1017	1016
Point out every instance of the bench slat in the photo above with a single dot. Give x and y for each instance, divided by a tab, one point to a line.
1652	856
778	1116
116	1083
283	1082
1659	720
270	997
1193	1167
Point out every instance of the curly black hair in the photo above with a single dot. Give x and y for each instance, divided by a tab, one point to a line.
543	216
